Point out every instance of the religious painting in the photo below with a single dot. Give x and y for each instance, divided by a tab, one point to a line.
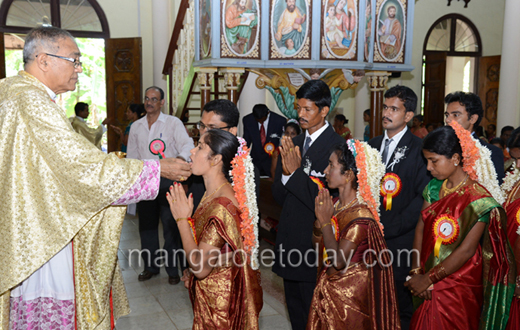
339	29
290	29
390	31
205	28
368	31
240	29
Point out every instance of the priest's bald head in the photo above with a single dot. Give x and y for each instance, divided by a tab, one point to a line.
52	56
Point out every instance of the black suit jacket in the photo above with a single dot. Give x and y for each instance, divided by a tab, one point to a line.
297	218
252	136
400	221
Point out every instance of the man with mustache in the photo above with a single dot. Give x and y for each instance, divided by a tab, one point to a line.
170	130
390	35
302	157
238	26
290	25
402	187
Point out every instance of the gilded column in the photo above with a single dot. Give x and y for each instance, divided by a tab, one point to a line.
377	85
206	77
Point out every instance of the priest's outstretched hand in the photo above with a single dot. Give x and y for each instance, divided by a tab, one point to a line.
175	169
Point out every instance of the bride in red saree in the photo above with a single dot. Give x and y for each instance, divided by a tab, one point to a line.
355	289
511	187
466	266
225	292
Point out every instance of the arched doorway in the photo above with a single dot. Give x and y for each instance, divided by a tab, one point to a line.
450	60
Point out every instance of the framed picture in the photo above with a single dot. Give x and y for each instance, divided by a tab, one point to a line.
391	31
240	29
339	29
290	29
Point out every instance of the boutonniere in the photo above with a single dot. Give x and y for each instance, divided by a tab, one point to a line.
274	136
307	164
399	154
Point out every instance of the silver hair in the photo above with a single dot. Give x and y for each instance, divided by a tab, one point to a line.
43	38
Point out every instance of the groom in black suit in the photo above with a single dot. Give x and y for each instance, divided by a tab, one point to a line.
304	156
263	128
403	185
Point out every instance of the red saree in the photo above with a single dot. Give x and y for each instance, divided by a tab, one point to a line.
512	206
230	297
361	297
484	284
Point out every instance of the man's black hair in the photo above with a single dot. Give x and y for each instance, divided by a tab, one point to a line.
80	106
316	91
225	109
405	94
260	111
470	101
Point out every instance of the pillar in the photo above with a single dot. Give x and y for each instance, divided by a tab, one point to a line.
232	80
377	85
362	100
205	77
509	89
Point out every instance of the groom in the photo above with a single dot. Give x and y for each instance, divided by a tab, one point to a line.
402	187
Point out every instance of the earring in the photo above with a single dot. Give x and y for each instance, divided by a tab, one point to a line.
456	164
346	180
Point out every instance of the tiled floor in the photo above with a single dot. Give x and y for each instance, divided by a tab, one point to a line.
157	305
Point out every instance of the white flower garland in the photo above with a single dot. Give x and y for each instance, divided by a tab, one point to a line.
510	180
252	206
375	172
487	175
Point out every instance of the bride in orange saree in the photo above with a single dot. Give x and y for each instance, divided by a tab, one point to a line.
466	267
511	188
355	289
225	292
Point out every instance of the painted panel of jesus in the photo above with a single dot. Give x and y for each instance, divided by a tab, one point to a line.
205	28
339	29
290	29
240	28
391	31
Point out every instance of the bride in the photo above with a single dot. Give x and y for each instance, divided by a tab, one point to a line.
224	295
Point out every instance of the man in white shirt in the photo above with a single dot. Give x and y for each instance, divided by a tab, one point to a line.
403	185
169	133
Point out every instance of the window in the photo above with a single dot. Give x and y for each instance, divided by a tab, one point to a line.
454	34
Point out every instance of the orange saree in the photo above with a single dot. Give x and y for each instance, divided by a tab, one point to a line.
512	206
363	295
230	297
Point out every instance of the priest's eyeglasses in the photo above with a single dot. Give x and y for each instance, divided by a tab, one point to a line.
74	61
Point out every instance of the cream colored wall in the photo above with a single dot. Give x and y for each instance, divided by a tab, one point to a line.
488	17
133	18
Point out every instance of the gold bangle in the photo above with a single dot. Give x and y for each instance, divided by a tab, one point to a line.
416	271
180	219
325	225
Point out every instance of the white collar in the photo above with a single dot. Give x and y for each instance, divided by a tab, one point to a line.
396	138
316	134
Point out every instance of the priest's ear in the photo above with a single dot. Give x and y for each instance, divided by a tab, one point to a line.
42	61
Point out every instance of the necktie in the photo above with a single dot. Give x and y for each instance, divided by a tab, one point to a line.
385	152
306	145
262	134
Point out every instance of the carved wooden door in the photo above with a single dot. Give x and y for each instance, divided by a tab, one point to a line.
124	81
488	77
434	87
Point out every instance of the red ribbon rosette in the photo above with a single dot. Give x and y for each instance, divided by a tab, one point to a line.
269	148
446	230
391	186
318	182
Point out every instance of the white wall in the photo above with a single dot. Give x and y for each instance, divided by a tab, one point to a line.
486	15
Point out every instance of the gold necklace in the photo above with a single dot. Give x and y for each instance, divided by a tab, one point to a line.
206	197
448	191
349	204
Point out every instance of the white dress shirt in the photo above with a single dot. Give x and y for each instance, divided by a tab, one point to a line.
395	141
314	136
167	128
265	123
